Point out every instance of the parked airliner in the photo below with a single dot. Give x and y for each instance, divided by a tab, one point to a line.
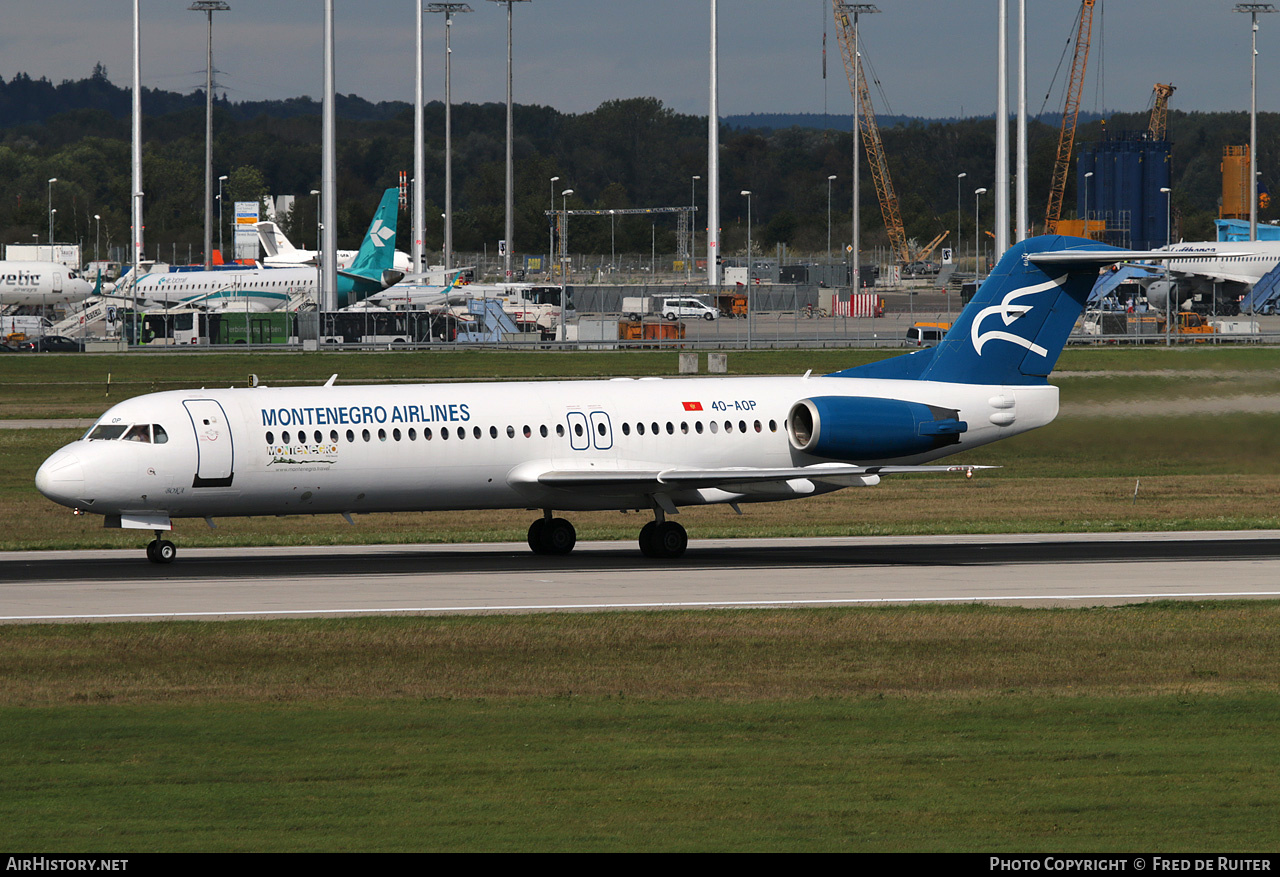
650	445
269	289
42	283
1211	269
280	253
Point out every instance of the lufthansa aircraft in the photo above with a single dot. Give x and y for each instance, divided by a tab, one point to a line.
651	445
1209	270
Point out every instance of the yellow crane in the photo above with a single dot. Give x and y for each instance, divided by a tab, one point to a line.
1160	110
1070	114
871	134
927	250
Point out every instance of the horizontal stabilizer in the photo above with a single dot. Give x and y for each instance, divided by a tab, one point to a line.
1111	256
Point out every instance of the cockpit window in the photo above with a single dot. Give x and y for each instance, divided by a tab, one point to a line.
106	433
141	432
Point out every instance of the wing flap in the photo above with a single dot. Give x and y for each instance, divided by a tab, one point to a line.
736	480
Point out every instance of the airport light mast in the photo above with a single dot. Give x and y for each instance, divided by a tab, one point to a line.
510	225
1253	9
208	7
713	160
449	10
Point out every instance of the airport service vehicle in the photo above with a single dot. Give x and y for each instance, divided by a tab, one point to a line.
669	308
926	334
648	445
52	344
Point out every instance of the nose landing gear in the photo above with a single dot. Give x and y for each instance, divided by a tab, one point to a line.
161	550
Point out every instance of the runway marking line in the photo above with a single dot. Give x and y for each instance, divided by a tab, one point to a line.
547	607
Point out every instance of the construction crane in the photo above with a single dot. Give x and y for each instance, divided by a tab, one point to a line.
927	250
871	134
1070	114
1160	110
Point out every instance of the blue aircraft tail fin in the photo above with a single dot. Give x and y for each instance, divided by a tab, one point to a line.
1018	322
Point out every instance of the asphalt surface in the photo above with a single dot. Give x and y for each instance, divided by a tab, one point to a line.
1029	570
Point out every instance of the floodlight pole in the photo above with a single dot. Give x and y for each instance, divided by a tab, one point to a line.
510	223
1253	9
208	7
449	10
857	9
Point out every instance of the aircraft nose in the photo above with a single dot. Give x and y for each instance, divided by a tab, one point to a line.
61	478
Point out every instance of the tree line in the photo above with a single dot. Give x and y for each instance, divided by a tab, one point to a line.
623	154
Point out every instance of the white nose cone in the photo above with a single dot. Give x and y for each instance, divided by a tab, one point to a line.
61	478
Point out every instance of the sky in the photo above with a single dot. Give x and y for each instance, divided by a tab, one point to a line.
932	58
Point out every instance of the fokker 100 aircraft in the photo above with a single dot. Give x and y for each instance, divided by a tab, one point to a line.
650	445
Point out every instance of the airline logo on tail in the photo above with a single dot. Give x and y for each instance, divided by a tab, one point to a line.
379	233
1008	312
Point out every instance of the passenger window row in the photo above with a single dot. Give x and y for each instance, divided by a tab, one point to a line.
411	434
460	432
713	426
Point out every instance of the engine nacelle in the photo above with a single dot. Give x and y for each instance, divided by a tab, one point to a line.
860	429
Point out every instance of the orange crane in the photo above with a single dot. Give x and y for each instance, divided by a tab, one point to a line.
1160	110
1070	114
871	135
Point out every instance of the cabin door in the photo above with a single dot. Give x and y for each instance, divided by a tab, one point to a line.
215	456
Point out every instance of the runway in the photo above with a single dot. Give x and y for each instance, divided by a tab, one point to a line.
1026	570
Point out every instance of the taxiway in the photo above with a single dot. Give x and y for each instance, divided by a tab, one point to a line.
1027	570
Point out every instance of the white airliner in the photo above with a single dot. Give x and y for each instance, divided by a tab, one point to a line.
280	253
268	289
650	445
42	283
1214	268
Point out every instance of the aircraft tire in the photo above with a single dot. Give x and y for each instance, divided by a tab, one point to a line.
559	538
161	551
669	540
646	539
536	541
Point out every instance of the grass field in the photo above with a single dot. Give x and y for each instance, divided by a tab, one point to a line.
948	728
964	728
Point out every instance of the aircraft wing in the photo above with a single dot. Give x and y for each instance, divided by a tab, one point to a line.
734	480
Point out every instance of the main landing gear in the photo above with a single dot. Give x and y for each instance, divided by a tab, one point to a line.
161	550
663	539
660	538
549	535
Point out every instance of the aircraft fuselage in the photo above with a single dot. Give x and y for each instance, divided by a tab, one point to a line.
268	451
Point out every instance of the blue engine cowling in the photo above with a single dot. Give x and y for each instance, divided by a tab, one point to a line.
859	429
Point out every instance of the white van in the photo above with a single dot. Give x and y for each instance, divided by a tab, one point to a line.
924	336
687	308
